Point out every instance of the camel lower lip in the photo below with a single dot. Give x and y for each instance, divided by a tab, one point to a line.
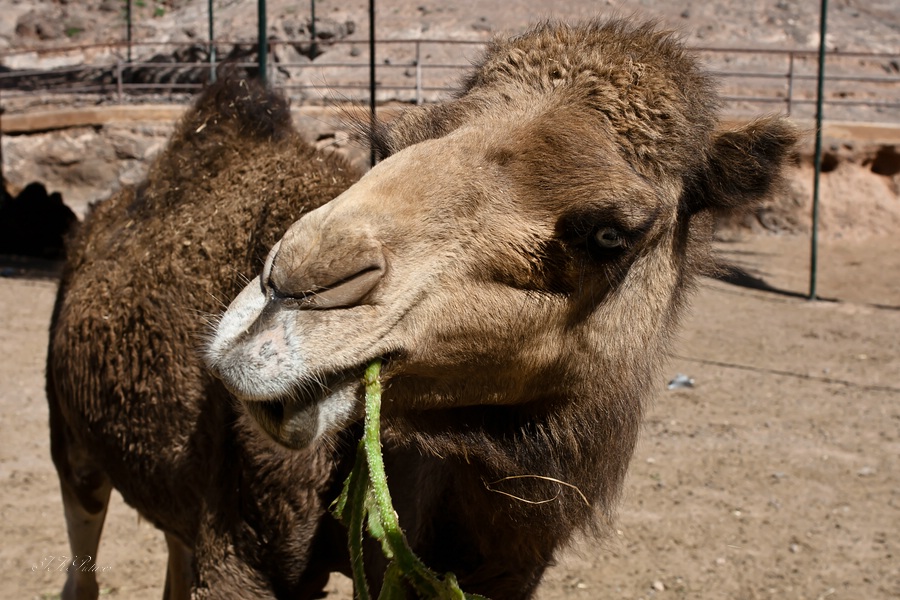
269	413
290	423
293	420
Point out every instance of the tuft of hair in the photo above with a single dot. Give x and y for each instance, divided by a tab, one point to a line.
247	105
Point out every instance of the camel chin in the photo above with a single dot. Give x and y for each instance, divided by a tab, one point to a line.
262	363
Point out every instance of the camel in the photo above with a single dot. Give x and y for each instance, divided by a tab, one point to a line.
520	261
132	406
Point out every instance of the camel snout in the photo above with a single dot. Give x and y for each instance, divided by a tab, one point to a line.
317	272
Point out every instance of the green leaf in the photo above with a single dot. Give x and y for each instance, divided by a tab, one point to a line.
393	587
376	524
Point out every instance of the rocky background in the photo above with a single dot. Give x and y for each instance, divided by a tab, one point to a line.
44	42
854	25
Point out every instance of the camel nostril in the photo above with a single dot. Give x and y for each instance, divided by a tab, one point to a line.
345	293
339	276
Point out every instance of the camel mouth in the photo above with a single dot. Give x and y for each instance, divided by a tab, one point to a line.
316	407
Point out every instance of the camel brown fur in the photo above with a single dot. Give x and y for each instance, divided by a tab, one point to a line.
520	259
132	406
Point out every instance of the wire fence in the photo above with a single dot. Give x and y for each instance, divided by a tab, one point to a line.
861	86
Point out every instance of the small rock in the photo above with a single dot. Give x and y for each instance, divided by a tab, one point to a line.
330	29
866	472
293	28
40	26
482	25
659	586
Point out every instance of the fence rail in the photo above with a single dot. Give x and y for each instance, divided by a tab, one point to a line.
859	85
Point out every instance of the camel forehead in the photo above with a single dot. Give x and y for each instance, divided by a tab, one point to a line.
550	164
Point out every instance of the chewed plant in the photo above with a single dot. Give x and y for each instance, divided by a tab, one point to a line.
365	504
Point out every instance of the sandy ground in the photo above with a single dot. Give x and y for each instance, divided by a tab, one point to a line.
776	476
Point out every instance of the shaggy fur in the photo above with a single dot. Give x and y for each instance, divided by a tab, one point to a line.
131	404
521	349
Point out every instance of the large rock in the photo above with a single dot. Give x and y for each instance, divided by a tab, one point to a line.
86	164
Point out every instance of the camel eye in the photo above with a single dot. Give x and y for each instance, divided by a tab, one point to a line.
609	238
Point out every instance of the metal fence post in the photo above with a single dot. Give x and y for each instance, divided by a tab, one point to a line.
212	46
313	48
263	41
119	85
790	90
419	98
128	26
372	156
814	246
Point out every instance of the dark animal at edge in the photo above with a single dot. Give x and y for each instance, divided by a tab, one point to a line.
132	406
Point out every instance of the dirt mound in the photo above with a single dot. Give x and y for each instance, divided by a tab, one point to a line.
859	195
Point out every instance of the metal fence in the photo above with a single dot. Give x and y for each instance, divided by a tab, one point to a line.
859	85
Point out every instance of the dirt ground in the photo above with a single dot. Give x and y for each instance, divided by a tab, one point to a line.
775	476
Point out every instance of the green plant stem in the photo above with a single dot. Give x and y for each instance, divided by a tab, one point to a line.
409	563
357	484
366	494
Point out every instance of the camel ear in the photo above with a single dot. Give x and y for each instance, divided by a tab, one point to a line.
743	167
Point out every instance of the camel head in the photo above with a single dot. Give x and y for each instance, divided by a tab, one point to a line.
526	243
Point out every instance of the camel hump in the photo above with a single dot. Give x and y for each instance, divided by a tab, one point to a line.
230	120
235	105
